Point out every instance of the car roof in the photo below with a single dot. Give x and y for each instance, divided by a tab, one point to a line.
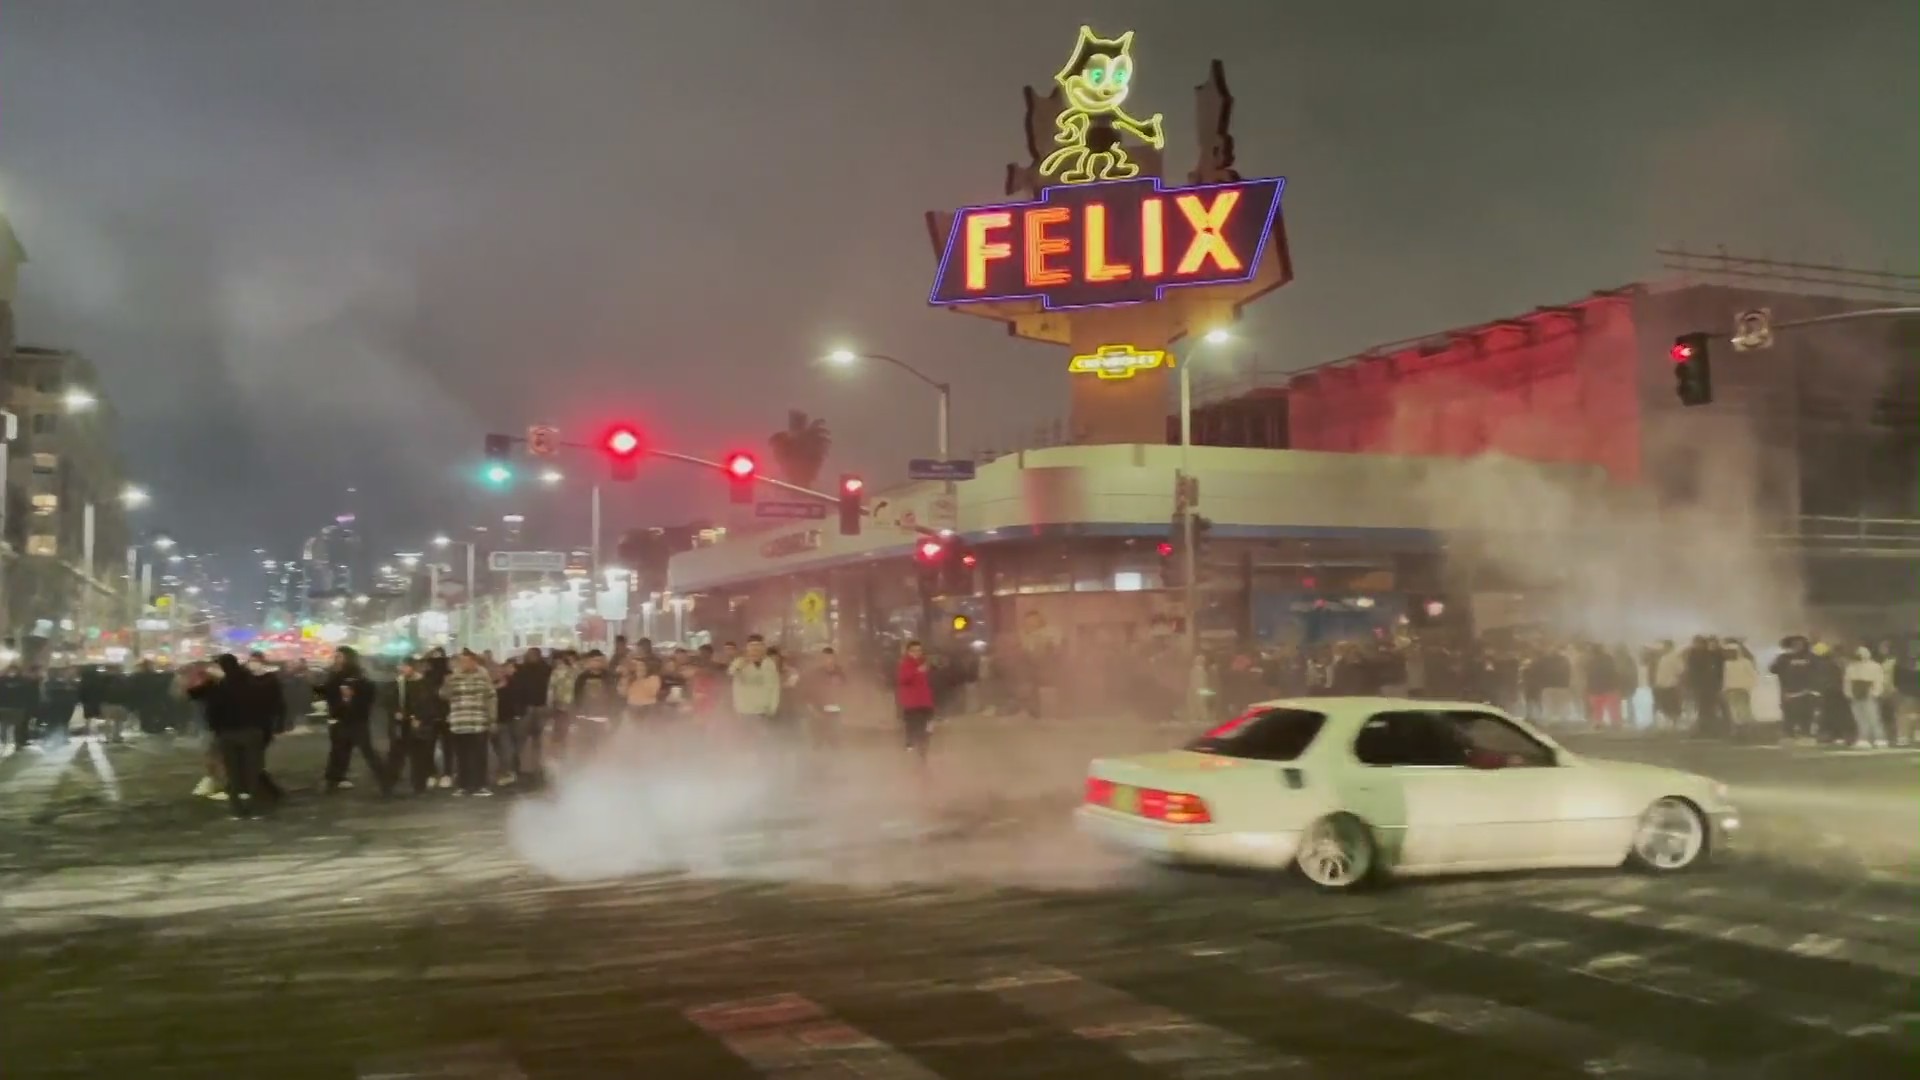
1374	704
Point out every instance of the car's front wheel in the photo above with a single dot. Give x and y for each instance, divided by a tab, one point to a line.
1338	854
1671	838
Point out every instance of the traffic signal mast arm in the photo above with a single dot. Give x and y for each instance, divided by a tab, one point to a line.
690	459
1770	327
1848	316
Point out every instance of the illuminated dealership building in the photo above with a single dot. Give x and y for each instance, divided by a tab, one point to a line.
1359	497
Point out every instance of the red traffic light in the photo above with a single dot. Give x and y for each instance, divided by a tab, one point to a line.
622	442
741	466
931	550
969	560
852	485
1682	352
1165	549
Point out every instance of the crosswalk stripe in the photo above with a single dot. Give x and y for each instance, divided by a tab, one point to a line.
36	782
474	1061
109	779
1482	1018
1642	972
1899	961
786	1034
1867	919
1150	1035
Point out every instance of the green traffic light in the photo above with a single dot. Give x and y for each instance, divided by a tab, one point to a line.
497	475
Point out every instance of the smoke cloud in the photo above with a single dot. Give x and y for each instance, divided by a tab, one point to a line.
712	799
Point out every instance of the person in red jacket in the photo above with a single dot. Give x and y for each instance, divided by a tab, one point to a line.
914	693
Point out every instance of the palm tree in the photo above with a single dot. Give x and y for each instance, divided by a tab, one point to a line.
801	449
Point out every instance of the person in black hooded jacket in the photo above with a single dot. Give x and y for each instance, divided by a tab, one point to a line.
349	695
270	707
229	702
414	725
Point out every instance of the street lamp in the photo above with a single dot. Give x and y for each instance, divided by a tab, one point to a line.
163	543
1217	336
133	496
551	477
78	400
845	357
466	609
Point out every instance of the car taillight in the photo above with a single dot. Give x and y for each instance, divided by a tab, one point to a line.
1099	792
1174	807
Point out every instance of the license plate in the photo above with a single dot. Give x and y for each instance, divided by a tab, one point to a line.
1126	799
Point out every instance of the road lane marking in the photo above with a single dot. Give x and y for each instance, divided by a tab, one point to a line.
472	1061
1599	1054
1643	972
786	1034
1151	1035
1882	955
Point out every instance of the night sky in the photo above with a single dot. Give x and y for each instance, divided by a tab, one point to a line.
329	243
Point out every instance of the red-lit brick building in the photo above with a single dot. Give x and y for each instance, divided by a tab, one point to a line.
1823	425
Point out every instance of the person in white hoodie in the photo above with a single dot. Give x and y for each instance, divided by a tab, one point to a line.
1865	678
1739	678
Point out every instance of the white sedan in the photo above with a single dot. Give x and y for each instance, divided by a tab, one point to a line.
1351	789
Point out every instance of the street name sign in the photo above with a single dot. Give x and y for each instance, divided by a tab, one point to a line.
935	469
527	562
791	511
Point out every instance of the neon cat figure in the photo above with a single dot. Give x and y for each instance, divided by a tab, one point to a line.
1095	83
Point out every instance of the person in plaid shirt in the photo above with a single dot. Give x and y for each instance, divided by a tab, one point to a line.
472	709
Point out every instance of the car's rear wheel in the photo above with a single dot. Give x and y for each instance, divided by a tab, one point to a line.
1670	839
1337	853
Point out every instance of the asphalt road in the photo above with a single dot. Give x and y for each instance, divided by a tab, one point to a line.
652	918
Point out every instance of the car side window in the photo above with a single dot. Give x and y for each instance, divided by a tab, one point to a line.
1408	738
1263	735
1495	739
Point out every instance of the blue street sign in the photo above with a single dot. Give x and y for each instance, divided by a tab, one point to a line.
933	469
791	511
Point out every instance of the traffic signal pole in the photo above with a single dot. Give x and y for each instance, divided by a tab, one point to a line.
1190	596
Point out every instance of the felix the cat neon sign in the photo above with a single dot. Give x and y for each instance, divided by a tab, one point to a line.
1119	242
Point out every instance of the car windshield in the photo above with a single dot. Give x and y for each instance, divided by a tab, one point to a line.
1262	734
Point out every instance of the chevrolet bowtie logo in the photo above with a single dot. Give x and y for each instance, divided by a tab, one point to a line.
1118	361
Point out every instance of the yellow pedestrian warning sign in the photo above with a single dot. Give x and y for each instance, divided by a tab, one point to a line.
812	605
